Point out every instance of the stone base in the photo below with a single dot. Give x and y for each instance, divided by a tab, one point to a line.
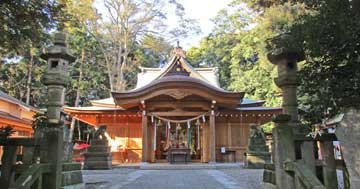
257	160
98	155
93	165
72	176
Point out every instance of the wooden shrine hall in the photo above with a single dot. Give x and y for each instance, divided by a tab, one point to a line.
174	108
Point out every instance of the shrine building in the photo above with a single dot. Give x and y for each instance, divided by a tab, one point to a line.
16	114
176	107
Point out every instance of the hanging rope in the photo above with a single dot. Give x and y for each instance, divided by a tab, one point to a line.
182	121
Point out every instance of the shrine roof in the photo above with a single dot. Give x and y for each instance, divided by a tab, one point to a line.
179	84
14	120
147	75
10	99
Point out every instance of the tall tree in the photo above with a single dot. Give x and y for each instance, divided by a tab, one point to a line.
128	22
329	76
22	22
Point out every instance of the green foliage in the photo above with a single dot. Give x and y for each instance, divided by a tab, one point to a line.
5	132
14	78
25	21
40	122
330	74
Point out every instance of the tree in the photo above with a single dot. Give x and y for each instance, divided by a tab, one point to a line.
330	73
129	22
22	22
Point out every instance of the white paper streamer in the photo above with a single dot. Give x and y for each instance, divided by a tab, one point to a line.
188	124
203	118
155	126
152	119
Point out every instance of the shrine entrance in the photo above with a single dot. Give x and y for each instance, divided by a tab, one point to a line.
182	134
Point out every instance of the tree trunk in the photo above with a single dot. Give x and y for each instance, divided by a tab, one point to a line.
29	76
77	99
356	6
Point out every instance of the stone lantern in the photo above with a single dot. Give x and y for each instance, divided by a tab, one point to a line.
286	57
56	77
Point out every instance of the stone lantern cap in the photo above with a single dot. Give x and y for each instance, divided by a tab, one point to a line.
59	50
284	47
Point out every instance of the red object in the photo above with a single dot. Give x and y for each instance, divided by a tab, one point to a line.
80	146
78	159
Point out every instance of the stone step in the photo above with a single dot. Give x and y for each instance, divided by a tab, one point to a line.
100	142
71	178
97	165
97	154
98	148
189	166
71	166
98	158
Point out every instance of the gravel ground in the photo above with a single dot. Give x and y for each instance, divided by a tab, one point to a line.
233	178
238	178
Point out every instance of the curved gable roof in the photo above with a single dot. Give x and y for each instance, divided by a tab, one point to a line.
148	75
178	84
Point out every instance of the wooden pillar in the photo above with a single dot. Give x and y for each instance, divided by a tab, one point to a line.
204	143
212	137
144	131
151	130
329	170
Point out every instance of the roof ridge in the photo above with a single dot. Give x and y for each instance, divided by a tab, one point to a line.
14	100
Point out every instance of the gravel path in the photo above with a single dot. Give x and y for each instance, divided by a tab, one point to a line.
236	178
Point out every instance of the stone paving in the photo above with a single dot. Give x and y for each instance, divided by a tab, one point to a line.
232	178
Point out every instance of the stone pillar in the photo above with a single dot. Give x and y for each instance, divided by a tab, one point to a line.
348	134
55	78
329	170
284	149
212	138
145	140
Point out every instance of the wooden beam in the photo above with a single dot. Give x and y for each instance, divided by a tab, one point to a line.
177	113
178	105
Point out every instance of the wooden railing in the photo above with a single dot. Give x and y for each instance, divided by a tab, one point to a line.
311	172
26	174
33	176
304	177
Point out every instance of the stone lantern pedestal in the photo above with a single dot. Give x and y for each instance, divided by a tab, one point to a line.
98	155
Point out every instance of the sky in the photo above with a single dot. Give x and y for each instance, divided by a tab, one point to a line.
202	10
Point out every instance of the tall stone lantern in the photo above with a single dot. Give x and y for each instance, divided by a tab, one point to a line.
56	77
286	57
